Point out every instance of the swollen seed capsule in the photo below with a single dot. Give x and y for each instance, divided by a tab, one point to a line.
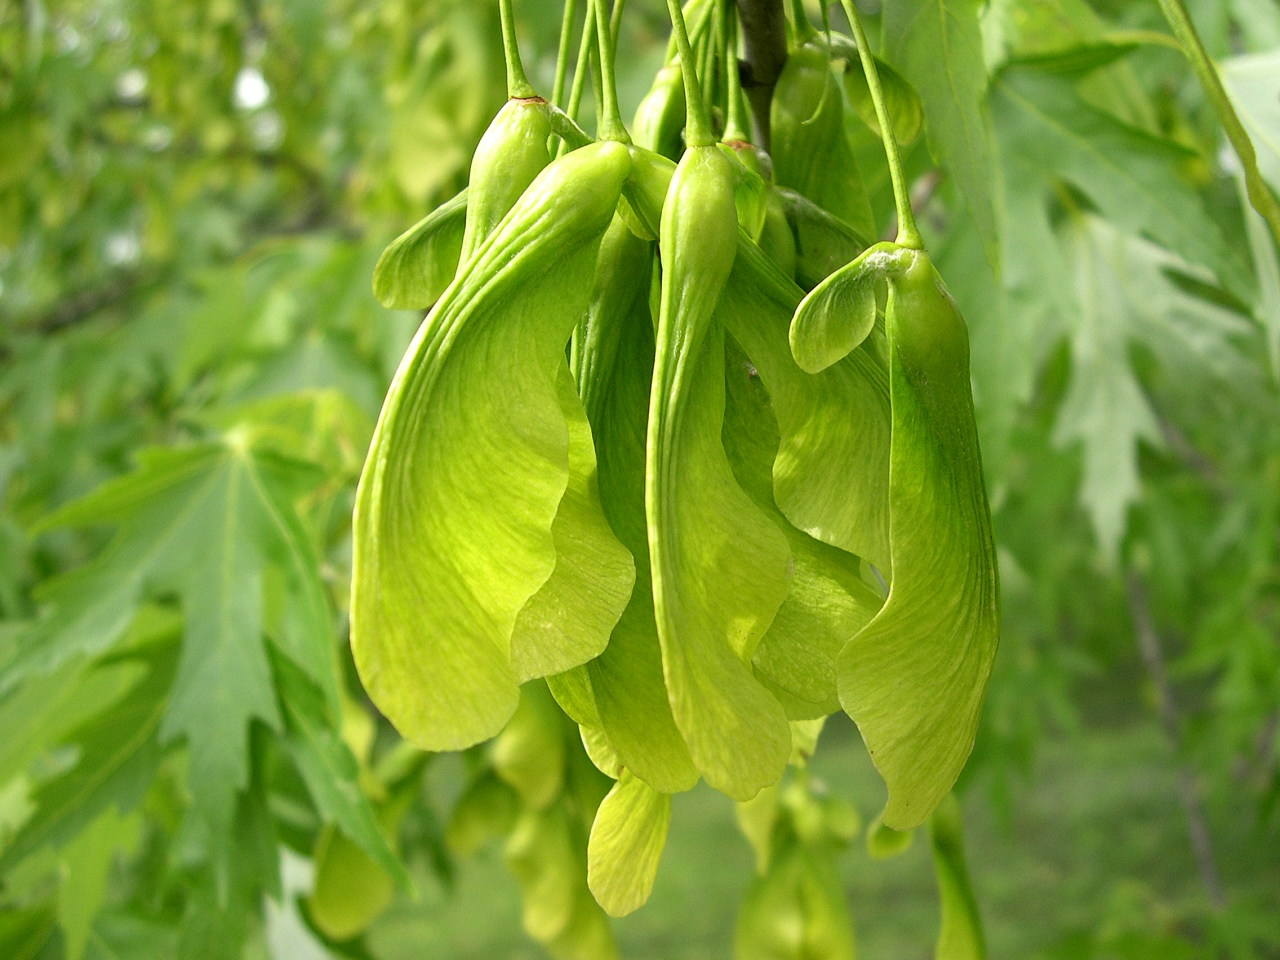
469	464
720	567
659	120
511	153
811	153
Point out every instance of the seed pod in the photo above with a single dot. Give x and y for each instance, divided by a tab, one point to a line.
960	935
487	808
563	623
417	266
510	155
529	753
659	120
749	193
618	290
776	240
839	313
540	854
831	475
771	920
811	152
795	910
645	192
627	837
719	566
556	796
546	856
621	694
469	463
885	843
914	677
755	818
906	113
350	890
828	601
828	242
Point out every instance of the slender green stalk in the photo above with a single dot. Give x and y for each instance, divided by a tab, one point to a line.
610	126
580	70
1155	38
693	23
697	125
562	53
711	54
908	233
615	23
800	22
1260	195
697	25
735	123
597	81
518	85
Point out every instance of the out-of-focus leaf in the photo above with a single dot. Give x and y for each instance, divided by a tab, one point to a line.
1132	176
85	863
332	773
205	521
118	754
24	933
937	46
1253	83
45	708
1123	295
118	934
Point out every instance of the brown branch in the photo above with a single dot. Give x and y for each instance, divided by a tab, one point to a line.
1190	457
764	48
84	304
1188	795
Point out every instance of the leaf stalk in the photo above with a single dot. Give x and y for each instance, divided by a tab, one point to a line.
1260	195
518	85
908	232
697	125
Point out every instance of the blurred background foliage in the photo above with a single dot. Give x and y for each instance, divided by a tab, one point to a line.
192	198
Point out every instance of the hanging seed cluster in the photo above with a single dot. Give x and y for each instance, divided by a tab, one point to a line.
678	444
